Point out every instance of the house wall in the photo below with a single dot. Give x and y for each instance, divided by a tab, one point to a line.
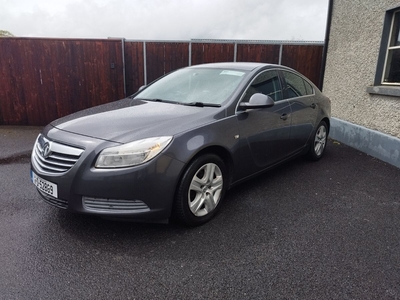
352	55
354	43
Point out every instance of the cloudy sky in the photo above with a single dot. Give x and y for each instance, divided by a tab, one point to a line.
167	19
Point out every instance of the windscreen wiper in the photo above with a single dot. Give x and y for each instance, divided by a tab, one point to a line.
198	104
160	100
202	104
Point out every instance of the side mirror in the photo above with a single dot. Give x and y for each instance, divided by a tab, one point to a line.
257	101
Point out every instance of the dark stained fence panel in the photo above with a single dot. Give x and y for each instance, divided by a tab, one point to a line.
22	78
164	57
45	79
258	53
134	66
209	53
306	59
13	78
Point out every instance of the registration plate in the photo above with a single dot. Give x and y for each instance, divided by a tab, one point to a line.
45	186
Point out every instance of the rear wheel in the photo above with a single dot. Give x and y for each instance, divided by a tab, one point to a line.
318	145
201	190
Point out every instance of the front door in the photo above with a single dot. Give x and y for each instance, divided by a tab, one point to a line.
266	131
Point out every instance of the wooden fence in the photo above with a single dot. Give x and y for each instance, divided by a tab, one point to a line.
44	79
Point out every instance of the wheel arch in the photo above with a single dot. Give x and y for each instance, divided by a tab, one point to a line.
177	211
221	152
328	123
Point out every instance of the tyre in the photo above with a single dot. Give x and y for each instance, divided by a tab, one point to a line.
318	142
201	190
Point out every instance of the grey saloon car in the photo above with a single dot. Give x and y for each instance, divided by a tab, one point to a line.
176	146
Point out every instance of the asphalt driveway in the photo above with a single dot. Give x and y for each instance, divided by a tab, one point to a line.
324	230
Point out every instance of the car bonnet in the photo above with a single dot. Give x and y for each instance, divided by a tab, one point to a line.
128	119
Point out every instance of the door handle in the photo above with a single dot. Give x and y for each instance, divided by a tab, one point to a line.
313	106
284	117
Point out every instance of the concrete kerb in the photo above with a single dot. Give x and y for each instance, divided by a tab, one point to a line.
371	142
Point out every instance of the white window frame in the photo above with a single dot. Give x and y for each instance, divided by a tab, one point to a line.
390	48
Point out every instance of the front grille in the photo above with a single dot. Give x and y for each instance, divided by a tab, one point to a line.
52	157
114	205
54	201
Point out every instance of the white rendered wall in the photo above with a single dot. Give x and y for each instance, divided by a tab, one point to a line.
355	37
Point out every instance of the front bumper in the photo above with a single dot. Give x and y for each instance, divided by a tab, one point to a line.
143	192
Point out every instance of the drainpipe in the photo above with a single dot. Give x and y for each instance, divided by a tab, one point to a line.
325	52
123	64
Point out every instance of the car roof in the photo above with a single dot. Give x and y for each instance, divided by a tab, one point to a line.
246	66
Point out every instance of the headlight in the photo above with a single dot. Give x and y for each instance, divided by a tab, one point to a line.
131	154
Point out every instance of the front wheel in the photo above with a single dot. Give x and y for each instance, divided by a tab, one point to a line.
318	143
201	190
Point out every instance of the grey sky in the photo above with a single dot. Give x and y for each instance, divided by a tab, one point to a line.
167	19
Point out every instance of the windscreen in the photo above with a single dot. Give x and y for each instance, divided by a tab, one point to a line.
211	86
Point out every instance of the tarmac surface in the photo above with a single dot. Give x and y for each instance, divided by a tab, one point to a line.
17	141
306	230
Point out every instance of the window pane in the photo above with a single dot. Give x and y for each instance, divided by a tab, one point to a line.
393	67
395	38
266	83
294	85
309	88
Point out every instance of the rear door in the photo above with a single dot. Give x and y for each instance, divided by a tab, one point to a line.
300	94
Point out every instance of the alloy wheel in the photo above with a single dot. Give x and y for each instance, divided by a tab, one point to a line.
320	140
205	190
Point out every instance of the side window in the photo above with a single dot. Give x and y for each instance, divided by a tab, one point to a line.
392	66
296	86
387	75
266	83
